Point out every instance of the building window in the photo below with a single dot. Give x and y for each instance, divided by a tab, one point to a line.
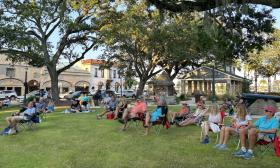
10	72
95	72
115	74
102	73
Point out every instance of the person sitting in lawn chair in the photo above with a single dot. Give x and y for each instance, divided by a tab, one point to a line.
122	105
195	118
182	114
17	117
84	101
263	129
109	107
50	107
159	112
41	106
75	106
6	102
240	121
137	112
215	120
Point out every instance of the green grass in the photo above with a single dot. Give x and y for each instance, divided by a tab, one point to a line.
81	141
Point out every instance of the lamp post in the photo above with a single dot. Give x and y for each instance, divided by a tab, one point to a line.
25	84
121	75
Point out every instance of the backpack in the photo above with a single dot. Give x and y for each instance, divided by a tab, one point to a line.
277	146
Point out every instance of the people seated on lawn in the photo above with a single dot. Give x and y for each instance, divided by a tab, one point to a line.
109	107
263	129
84	101
138	110
6	102
17	117
215	119
156	114
241	120
50	107
184	111
122	105
195	118
75	106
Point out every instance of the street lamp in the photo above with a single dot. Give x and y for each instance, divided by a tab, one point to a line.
25	84
121	75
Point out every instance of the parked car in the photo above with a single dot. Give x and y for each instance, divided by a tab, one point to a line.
38	93
62	95
11	94
73	95
127	93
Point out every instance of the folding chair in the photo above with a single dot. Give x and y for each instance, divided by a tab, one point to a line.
266	146
31	123
162	121
136	121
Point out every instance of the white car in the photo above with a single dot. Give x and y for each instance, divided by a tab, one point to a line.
128	93
11	94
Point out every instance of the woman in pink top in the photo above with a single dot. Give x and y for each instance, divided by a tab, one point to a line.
139	108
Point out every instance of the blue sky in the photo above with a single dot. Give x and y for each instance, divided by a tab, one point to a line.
275	13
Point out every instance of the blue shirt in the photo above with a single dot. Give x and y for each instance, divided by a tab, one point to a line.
264	124
29	112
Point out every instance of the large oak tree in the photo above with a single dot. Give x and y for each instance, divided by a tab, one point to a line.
46	32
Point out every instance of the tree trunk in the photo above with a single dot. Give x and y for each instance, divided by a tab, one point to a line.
256	82
141	87
54	83
269	84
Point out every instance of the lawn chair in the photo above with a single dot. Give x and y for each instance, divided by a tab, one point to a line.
265	146
136	121
218	133
162	121
31	123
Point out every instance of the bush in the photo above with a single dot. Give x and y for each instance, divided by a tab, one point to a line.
182	97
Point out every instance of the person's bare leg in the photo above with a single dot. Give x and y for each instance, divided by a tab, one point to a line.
189	122
8	120
184	121
206	128
124	117
242	136
147	119
228	130
222	135
252	138
116	113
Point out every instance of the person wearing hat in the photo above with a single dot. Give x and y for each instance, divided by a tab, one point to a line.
263	129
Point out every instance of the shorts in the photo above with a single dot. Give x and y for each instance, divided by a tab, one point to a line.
85	103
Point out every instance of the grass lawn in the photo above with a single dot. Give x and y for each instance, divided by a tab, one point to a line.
81	141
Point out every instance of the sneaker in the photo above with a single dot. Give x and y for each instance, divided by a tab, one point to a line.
217	146
248	155
222	147
239	153
206	140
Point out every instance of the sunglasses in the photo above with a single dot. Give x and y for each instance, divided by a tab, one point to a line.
268	111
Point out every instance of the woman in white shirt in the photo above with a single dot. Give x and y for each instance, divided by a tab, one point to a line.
241	120
214	120
200	112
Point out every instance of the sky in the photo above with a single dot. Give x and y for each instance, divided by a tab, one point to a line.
96	53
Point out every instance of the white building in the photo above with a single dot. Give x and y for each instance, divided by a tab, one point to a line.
102	78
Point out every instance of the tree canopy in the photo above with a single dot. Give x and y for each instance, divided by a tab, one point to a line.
46	32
